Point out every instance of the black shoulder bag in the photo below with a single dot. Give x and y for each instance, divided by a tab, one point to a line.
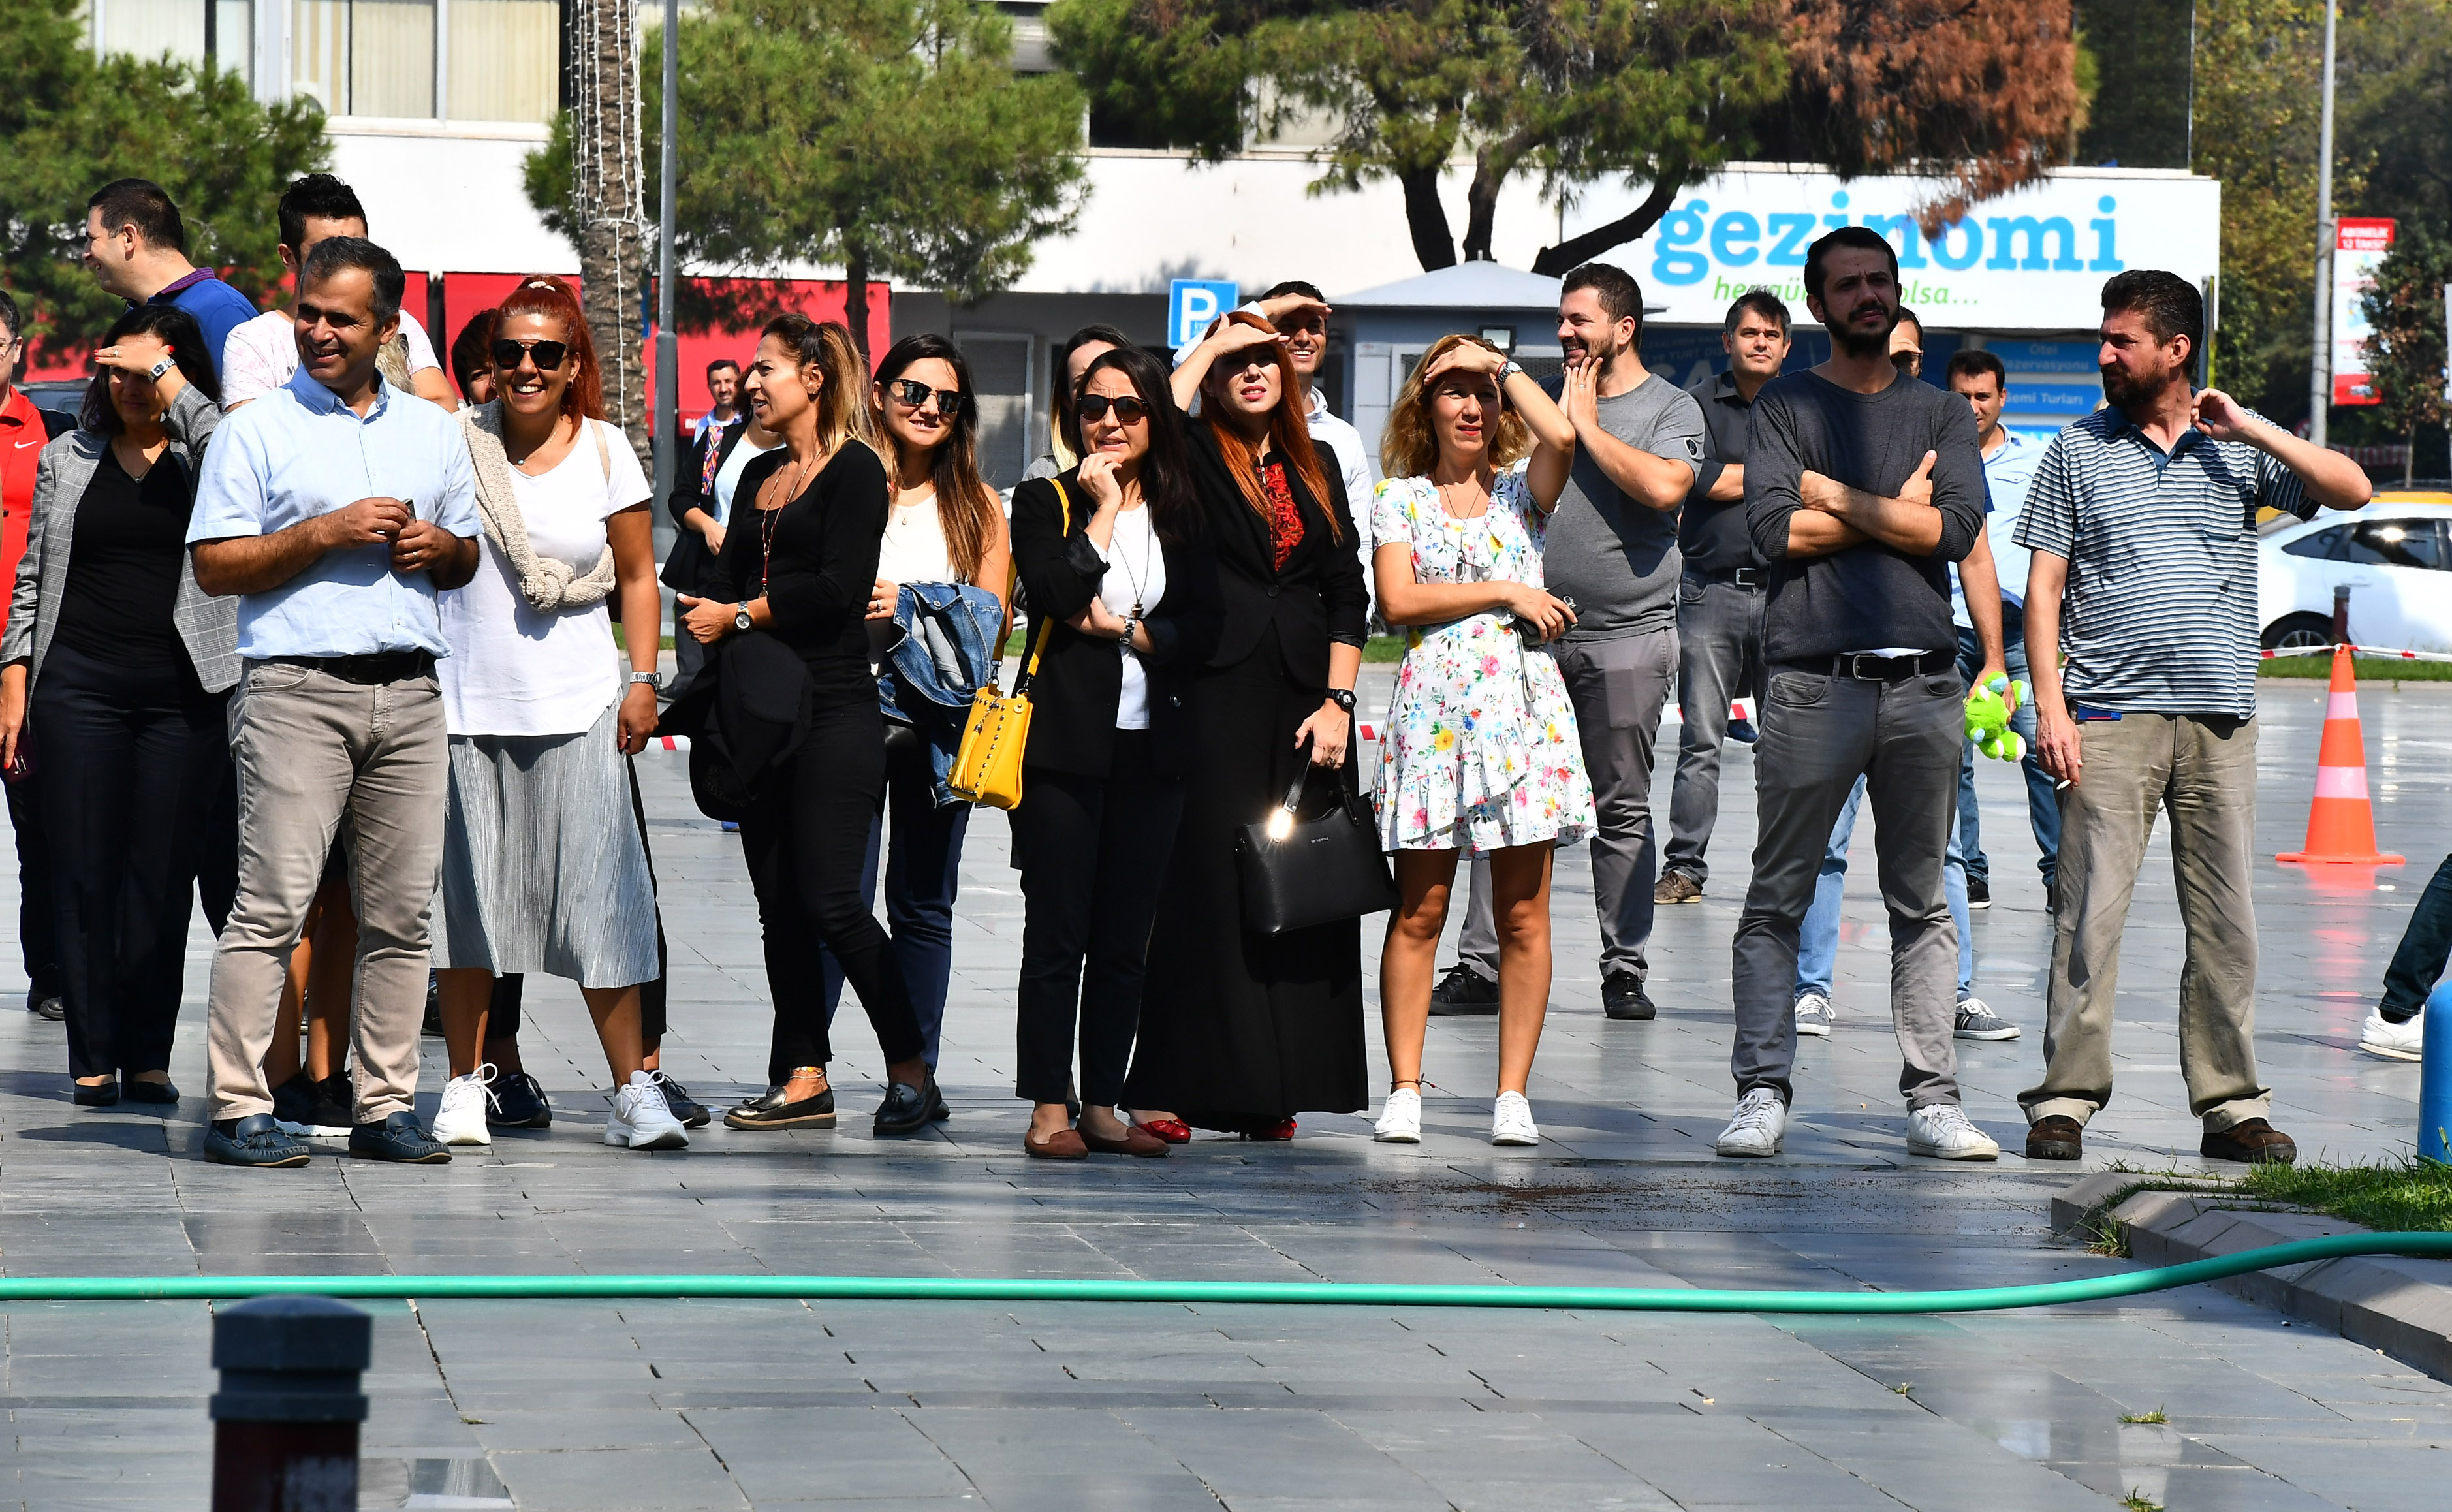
1296	874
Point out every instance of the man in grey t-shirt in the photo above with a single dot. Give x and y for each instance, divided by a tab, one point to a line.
1611	549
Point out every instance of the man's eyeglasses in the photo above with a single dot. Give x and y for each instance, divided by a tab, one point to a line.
548	354
913	394
1129	410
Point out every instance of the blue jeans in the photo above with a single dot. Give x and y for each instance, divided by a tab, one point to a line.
1817	947
2042	807
922	874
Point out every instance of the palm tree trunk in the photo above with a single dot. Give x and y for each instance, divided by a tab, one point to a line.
608	198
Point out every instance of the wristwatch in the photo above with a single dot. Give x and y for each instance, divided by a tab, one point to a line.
161	368
1509	371
654	680
741	617
1342	698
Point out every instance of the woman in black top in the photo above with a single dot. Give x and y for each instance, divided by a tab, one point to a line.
1240	1031
799	568
120	668
1111	552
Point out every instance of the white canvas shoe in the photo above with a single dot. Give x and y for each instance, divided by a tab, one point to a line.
1510	1121
462	1118
642	1120
1942	1131
1757	1129
1400	1122
1814	1014
2405	1041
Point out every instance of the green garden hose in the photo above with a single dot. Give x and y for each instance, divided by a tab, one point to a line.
1322	1293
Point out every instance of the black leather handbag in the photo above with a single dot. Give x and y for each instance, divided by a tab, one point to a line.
1297	873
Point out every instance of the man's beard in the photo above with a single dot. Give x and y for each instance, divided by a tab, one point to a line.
1596	355
2124	391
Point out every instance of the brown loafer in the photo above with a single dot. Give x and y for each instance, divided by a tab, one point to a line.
2254	1141
2056	1138
1064	1145
1136	1141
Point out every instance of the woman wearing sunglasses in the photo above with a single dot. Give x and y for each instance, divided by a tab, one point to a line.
1073	359
944	560
1240	1031
544	866
1122	587
800	565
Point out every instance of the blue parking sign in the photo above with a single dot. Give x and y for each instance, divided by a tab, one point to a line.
1191	303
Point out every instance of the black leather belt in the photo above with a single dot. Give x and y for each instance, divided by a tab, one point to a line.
388	667
1744	577
1865	667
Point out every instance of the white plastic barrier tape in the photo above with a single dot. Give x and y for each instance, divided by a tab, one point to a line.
2378	651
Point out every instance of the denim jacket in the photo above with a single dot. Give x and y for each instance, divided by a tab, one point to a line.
941	660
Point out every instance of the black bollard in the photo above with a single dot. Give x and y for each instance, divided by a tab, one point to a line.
286	1419
2341	614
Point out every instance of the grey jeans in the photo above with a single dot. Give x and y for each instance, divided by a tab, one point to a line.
2201	768
1719	658
1819	733
314	750
1619	688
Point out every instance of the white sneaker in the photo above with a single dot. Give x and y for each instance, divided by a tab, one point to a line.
1940	1131
2393	1042
1400	1122
462	1118
1758	1125
1510	1121
1814	1014
642	1120
1976	1021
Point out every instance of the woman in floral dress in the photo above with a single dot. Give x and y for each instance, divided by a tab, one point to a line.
1481	750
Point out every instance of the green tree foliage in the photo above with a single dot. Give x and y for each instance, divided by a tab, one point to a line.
1658	92
71	123
889	137
2406	355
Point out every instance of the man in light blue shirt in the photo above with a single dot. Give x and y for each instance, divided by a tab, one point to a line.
2009	465
335	509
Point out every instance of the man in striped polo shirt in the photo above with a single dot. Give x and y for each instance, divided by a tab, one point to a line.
2141	519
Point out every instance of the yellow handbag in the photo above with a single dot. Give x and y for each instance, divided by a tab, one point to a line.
987	769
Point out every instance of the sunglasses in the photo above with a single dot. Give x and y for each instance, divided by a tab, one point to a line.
548	354
1129	410
913	394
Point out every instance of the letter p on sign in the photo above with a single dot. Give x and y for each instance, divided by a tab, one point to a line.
1191	303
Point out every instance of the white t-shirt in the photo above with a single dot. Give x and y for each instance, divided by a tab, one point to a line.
261	355
1134	557
913	548
512	670
728	476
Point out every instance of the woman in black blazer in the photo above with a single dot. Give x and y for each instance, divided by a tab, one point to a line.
1113	567
1241	1031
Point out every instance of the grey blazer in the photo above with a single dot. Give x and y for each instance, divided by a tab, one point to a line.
209	625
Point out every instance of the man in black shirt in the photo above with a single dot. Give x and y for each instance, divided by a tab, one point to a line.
1862	484
1719	598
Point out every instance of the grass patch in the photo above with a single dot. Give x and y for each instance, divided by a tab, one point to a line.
1384	648
2158	1415
2140	1501
2371	669
2412	1197
624	643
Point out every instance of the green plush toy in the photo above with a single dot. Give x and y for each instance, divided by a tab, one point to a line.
1988	718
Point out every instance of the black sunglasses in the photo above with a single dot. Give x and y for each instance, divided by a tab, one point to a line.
912	393
548	354
1129	410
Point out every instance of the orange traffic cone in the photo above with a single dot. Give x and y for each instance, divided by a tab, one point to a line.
2341	822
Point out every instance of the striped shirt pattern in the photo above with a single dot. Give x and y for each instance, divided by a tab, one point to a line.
2160	613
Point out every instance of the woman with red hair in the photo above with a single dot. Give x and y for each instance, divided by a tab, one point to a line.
544	869
1240	1031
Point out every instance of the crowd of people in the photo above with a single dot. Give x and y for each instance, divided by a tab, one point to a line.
306	629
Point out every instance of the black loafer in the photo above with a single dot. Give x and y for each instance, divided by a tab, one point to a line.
50	1006
771	1112
1622	997
140	1090
255	1141
904	1110
399	1139
102	1094
938	1111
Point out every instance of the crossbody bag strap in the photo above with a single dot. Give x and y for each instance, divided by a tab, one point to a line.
1047	624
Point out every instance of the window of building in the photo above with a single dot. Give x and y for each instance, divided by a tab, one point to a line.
192	31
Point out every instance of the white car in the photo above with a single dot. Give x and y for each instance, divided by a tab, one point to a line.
2395	556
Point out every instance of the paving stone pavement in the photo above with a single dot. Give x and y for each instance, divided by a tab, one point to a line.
601	1406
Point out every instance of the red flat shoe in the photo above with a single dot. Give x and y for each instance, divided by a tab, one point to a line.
1272	1133
1173	1131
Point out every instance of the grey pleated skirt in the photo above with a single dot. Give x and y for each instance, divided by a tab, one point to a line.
543	868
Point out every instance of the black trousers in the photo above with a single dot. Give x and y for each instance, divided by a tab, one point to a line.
2425	946
1094	854
133	765
34	933
805	838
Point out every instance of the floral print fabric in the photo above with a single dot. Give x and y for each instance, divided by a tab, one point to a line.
1481	750
1285	518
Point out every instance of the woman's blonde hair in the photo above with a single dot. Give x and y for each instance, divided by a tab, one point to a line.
1410	447
842	401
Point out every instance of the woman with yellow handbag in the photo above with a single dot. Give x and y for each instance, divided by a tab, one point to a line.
1122	606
